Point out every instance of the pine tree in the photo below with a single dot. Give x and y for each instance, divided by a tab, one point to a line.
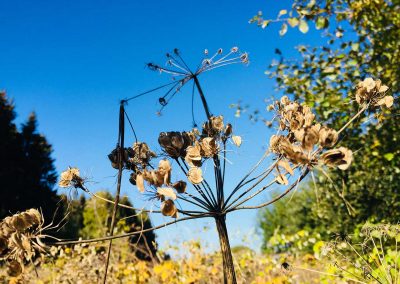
27	173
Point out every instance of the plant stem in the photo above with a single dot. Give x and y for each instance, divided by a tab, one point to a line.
227	259
121	153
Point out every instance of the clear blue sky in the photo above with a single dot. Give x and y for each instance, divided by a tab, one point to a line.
71	62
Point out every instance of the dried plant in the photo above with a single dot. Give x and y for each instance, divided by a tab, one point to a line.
300	145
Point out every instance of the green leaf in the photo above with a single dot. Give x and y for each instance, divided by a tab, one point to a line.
321	23
303	27
265	23
389	156
282	12
283	29
293	22
355	46
352	62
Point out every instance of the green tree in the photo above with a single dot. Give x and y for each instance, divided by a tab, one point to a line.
97	219
27	173
362	41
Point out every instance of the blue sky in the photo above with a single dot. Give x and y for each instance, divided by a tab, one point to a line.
72	61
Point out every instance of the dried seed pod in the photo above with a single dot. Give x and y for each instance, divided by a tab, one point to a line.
284	101
208	147
327	137
285	164
180	186
237	140
195	175
217	122
70	177
386	101
340	157
168	208
193	154
228	130
140	182
14	268
166	192
311	138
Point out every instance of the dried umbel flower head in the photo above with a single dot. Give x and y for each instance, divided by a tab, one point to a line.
168	208
370	91
195	175
213	126
71	177
340	158
20	236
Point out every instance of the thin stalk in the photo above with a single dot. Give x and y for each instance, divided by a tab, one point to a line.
120	169
102	239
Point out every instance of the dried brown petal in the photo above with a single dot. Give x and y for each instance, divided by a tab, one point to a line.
168	208
340	157
3	244
195	175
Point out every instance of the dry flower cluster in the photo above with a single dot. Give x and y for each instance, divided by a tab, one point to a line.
304	141
20	239
301	143
373	92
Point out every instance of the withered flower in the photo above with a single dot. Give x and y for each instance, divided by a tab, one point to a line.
168	208
373	92
195	175
327	137
208	147
166	192
70	177
340	157
180	186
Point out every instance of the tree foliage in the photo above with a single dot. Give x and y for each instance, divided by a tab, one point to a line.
96	217
27	173
362	41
